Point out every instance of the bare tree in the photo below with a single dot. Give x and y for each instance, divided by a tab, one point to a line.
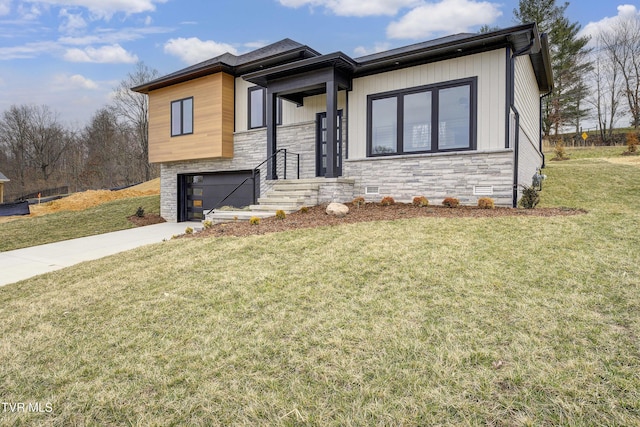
47	140
606	94
133	109
622	45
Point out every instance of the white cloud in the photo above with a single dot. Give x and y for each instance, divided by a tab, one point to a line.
194	50
113	54
446	16
256	44
5	7
378	47
76	81
74	22
355	7
29	13
105	9
592	29
112	36
29	50
148	20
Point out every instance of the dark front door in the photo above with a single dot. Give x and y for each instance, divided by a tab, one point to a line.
321	143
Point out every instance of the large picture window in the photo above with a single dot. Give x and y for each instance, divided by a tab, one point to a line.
182	117
258	108
425	119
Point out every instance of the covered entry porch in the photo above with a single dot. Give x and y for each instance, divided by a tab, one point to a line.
294	82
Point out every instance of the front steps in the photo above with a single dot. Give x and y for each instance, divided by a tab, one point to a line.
286	195
289	196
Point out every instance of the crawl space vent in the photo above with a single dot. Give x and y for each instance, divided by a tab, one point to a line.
483	190
372	190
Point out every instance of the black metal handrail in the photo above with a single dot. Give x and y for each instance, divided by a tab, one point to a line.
255	171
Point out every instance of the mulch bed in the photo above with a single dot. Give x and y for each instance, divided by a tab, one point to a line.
147	219
317	217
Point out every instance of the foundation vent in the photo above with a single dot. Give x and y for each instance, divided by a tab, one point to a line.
483	190
371	190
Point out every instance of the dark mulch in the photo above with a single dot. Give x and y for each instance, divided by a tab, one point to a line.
316	216
147	219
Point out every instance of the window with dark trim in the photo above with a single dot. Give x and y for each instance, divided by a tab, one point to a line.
182	117
257	108
433	118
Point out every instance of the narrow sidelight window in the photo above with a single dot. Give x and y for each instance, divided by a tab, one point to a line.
182	117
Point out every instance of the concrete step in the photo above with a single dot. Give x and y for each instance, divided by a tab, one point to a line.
294	185
271	199
230	216
302	192
288	208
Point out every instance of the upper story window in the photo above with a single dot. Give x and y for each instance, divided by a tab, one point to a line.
182	117
432	118
258	108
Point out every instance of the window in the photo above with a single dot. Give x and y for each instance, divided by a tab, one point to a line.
426	119
182	117
258	108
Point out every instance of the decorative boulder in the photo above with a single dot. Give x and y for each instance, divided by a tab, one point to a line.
337	209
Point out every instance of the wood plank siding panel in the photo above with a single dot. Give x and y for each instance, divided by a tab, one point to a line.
489	67
213	112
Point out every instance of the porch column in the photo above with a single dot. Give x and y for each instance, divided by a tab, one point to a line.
272	145
332	121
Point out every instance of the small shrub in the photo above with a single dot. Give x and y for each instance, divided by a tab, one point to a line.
280	214
207	224
235	218
530	197
450	202
486	203
559	151
140	212
304	209
632	143
420	201
387	201
254	220
358	201
188	230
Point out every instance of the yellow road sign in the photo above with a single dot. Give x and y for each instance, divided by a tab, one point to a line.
584	136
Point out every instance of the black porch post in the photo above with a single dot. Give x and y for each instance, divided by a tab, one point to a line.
332	126
272	145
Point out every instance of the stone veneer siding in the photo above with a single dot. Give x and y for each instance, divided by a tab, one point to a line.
435	176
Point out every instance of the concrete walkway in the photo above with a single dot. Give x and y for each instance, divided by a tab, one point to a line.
29	262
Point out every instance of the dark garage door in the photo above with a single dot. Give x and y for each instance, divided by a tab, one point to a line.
199	193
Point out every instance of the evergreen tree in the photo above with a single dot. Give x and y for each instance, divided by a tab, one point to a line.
569	61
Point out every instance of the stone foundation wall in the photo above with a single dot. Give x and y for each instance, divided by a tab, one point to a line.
435	176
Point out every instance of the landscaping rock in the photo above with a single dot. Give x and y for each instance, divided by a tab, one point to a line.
337	209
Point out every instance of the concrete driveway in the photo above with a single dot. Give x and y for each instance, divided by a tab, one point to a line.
29	262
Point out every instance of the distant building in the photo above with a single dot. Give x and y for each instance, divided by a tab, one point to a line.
3	179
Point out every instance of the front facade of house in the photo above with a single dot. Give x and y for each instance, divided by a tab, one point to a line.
457	116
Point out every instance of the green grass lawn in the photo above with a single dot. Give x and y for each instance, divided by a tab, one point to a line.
492	321
111	216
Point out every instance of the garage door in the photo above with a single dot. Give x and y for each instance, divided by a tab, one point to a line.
202	192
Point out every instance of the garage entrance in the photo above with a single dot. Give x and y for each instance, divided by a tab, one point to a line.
199	193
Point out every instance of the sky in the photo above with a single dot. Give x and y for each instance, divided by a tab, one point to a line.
70	54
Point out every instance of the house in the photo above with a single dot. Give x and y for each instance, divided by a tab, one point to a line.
456	116
3	179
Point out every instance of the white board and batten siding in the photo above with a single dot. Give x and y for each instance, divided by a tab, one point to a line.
488	67
527	101
291	113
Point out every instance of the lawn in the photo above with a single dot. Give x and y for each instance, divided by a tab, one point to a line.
432	321
106	217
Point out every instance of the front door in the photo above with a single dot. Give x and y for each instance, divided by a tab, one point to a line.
321	143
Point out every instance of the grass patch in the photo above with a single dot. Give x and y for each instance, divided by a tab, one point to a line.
111	216
431	321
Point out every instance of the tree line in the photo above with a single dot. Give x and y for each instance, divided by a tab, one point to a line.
38	152
597	81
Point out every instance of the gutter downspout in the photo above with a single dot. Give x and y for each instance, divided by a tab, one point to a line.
512	106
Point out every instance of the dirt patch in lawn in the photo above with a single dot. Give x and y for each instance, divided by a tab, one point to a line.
316	216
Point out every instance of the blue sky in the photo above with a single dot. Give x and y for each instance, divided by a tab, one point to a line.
70	54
